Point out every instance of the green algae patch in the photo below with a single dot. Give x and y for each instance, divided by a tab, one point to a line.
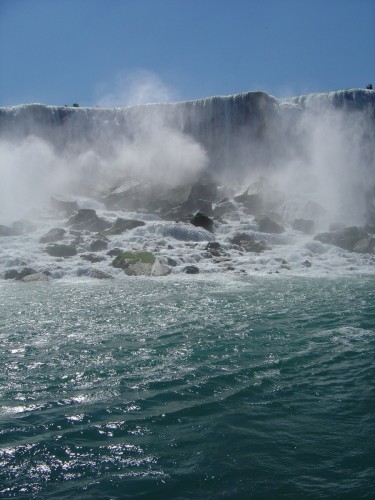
126	259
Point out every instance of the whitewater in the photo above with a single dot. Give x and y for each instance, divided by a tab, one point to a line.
187	299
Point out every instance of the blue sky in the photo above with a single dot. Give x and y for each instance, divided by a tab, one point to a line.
118	52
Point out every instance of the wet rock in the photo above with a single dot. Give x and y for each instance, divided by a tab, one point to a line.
160	269
306	263
135	263
35	277
98	246
11	274
346	238
191	270
23	226
87	219
241	238
121	225
304	225
98	274
268	225
61	250
7	231
114	252
64	207
91	257
365	245
202	220
252	202
53	235
26	271
222	208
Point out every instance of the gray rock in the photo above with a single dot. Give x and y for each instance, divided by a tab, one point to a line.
160	269
35	277
202	220
268	225
90	257
98	246
61	250
346	238
11	274
55	234
87	219
26	271
304	225
98	274
191	270
121	225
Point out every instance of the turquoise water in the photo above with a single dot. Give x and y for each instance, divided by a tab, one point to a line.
188	388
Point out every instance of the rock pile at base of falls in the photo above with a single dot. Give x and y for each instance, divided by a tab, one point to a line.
236	227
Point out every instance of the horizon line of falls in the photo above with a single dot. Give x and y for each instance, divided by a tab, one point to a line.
245	130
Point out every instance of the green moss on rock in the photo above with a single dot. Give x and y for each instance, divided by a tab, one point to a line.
125	259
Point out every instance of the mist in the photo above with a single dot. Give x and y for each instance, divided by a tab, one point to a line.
321	154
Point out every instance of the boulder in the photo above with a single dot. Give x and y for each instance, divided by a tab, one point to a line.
252	202
268	225
365	245
191	270
55	234
91	257
35	277
223	208
121	225
98	246
7	231
64	207
26	271
23	226
160	269
304	225
202	220
346	238
98	274
61	250
135	263
11	274
87	219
